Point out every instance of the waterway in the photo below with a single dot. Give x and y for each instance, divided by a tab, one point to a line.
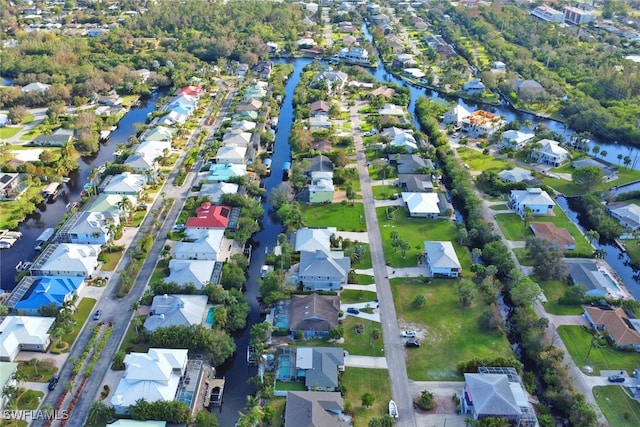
236	371
49	214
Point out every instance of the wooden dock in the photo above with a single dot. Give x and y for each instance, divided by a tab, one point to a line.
216	385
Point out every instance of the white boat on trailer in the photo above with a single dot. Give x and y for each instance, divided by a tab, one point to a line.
393	409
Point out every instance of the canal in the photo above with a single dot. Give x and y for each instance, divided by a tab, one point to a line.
49	214
235	370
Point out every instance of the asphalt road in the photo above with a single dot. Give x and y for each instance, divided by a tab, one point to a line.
393	345
118	310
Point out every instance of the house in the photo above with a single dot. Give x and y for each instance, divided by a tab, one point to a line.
176	310
415	183
455	115
314	408
249	105
112	99
358	55
404	60
58	138
383	91
401	138
516	174
204	247
160	134
499	66
150	376
320	108
395	43
497	392
409	163
7	373
322	145
313	239
216	190
481	123
195	272
231	154
245	115
560	237
474	86
11	184
441	259
323	270
306	43
147	154
237	137
515	139
66	259
335	80
349	40
627	214
315	315
320	122
4	120
243	126
41	291
425	205
90	228
616	323
36	87
391	110
529	90
126	183
346	27
110	204
575	16
550	153
548	14
609	172
143	74
225	172
210	216
595	280
319	163
255	91
172	118
535	199
317	367
321	188
263	69
22	333
191	90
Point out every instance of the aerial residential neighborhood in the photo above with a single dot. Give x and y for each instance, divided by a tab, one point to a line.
366	213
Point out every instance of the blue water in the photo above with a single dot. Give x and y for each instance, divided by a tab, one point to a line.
210	316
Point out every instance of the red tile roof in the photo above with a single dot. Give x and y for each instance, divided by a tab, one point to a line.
617	324
190	90
210	216
556	235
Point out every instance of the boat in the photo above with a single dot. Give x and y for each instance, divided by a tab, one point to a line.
51	190
44	237
267	163
393	409
251	355
286	170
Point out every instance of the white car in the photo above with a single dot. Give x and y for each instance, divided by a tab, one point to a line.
409	334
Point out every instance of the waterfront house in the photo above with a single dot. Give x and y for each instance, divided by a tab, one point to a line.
58	138
627	214
245	115
335	80
24	333
529	90
409	163
481	123
316	367
358	55
66	259
188	271
320	122
516	174
315	408
237	137
515	139
249	105
258	90
415	183
159	134
87	227
550	153
151	376
36	87
216	190
231	154
441	259
609	171
560	237
11	184
176	310
473	87
243	126
111	204
210	216
33	292
313	239
616	324
314	315
204	246
455	115
320	108
321	188
535	199
593	279
323	270
126	184
401	138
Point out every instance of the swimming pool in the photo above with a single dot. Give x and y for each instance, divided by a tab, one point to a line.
185	397
284	368
281	315
210	314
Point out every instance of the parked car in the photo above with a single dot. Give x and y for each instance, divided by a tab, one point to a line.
353	310
409	333
97	315
53	382
412	343
616	379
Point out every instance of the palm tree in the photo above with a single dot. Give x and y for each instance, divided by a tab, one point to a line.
595	149
603	154
627	161
126	205
620	157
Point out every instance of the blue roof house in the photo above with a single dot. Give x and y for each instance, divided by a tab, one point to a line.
45	290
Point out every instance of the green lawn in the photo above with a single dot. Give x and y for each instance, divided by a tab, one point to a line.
9	131
161	271
28	118
365	279
521	254
384	192
553	290
350	296
602	357
362	345
278	405
130	341
365	260
453	333
625	175
29	399
617	405
416	231
41	373
499	207
111	260
358	381
480	162
346	218
85	307
290	386
513	226
11	210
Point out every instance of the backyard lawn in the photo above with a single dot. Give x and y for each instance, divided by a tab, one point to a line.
358	381
453	333
416	231
617	406
480	162
602	357
346	218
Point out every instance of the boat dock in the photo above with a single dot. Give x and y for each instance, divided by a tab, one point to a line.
251	356
51	190
217	390
8	238
44	237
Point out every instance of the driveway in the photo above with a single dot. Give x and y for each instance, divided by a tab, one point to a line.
362	237
365	362
375	316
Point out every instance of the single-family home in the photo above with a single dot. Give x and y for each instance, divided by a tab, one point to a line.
225	172
315	315
551	153
404	60
516	139
183	104
560	237
24	333
441	259
313	239
455	115
237	137
231	154
4	120
535	199
529	90
474	86
111	204
151	376
609	171
616	323
324	270
499	66
245	115
335	80
357	55
87	227
425	205
66	259
263	69
143	74
395	43
176	310
189	271
249	105
172	118
415	183
409	163
320	108
321	188
58	138
320	122
158	134
11	184
316	367
306	42
548	14
346	27
594	280
482	123
36	87
315	408
497	392
33	292
576	16
391	110
210	216
401	138
243	126
516	174
214	191
627	214
205	246
319	163
349	40
191	90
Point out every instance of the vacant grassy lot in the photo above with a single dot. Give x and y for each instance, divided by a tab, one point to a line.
350	296
513	226
361	344
416	231
384	192
553	290
358	381
480	162
111	260
617	406
79	317
452	333
346	218
602	357
41	372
